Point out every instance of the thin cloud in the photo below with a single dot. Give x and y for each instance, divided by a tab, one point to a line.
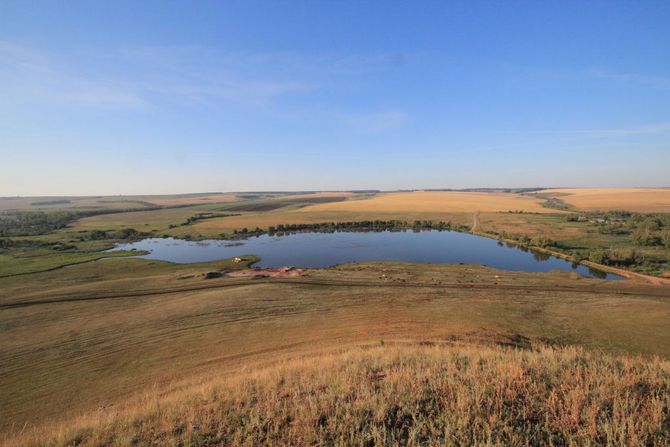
280	63
646	129
188	74
520	73
657	82
201	73
375	122
29	75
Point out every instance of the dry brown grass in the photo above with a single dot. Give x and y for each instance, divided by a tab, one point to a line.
436	201
552	226
403	395
644	200
100	334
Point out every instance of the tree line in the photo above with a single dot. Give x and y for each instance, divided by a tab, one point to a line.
35	223
352	226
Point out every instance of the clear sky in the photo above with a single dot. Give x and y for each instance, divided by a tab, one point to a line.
139	97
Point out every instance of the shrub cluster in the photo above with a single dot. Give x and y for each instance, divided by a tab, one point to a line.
202	216
32	223
644	230
122	234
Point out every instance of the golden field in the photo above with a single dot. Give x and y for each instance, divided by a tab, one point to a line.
435	201
455	206
644	200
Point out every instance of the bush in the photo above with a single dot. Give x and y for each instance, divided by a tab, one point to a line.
598	256
97	235
616	257
542	241
578	256
666	238
647	232
645	236
623	257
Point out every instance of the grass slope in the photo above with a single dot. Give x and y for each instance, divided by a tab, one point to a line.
100	334
404	395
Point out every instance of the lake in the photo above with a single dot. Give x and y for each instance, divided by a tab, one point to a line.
328	249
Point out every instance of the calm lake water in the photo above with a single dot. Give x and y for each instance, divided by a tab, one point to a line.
327	249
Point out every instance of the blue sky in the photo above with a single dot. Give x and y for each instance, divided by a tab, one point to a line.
168	97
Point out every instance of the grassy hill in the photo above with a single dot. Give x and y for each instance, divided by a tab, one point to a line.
100	337
403	394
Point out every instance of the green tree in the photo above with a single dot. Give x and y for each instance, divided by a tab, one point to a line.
577	256
646	233
542	241
97	235
623	256
666	238
598	256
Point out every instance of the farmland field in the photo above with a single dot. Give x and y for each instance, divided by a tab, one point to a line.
644	200
435	202
13	204
191	199
140	220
